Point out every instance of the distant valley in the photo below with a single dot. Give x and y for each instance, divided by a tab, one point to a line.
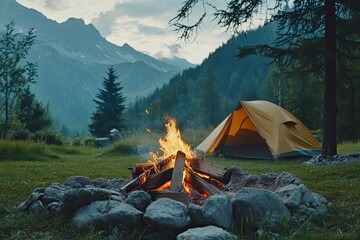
72	59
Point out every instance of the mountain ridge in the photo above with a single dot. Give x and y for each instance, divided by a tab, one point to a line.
72	60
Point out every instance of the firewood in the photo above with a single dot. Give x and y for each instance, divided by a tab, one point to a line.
201	185
137	182
178	196
217	172
158	179
177	175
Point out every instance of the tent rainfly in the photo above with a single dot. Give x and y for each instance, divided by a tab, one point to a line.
260	129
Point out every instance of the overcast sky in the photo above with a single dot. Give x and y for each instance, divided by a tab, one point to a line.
143	24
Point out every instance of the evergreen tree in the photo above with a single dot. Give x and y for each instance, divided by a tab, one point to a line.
31	113
308	24
109	106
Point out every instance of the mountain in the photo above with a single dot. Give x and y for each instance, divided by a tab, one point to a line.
202	96
72	60
179	62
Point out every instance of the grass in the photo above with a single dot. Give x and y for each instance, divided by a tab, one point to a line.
25	166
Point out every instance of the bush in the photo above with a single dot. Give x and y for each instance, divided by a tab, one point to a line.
50	136
89	141
76	141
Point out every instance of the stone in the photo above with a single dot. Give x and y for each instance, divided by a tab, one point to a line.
105	214
291	195
77	182
206	233
34	196
54	193
217	211
286	179
78	197
102	183
139	199
36	207
259	208
117	182
167	213
54	208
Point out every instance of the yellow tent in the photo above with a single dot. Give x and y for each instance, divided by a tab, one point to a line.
261	129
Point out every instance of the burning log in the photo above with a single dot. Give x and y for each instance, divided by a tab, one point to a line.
142	167
219	173
137	182
178	196
201	185
177	176
158	179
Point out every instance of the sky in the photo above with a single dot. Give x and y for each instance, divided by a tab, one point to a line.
143	24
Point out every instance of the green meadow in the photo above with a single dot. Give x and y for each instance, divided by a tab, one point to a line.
25	166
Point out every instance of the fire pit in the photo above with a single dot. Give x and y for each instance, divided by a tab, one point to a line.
181	194
177	175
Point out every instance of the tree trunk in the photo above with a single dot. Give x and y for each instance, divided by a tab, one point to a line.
330	106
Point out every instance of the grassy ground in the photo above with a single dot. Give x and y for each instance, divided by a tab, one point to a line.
25	166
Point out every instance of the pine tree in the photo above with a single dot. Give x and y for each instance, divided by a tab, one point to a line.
110	106
31	113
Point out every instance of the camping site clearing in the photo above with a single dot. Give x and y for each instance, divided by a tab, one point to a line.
25	166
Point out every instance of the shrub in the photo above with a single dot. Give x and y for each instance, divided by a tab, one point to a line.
89	141
50	136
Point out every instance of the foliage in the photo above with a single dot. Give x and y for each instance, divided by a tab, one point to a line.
306	34
31	113
49	136
110	107
15	73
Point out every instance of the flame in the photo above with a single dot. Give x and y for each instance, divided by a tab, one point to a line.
166	186
172	143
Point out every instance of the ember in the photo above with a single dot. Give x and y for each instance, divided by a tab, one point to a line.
178	174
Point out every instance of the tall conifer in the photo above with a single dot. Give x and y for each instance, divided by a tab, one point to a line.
109	106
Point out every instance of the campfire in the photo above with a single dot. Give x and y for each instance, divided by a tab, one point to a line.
178	174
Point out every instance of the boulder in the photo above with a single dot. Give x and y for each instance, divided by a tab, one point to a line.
54	193
139	199
206	233
217	211
34	196
301	201
107	214
259	208
167	213
77	182
78	197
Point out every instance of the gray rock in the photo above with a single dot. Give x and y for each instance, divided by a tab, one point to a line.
36	207
139	199
286	179
117	183
217	211
77	182
54	193
291	195
78	197
102	183
259	208
167	213
105	214
205	233
54	208
34	196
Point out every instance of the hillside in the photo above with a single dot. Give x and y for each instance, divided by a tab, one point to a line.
72	59
204	95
